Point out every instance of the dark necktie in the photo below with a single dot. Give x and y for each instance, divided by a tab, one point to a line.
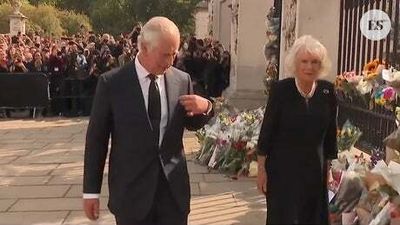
154	107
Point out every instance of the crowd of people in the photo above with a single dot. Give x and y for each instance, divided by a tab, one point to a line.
208	62
73	64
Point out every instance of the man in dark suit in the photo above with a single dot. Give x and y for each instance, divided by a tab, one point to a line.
144	107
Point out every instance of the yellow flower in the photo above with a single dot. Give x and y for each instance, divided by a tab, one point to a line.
372	66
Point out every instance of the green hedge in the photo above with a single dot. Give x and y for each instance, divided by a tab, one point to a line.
46	19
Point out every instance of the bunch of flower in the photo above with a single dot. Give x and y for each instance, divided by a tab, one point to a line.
373	69
347	136
362	193
392	77
352	77
376	86
377	155
231	139
385	96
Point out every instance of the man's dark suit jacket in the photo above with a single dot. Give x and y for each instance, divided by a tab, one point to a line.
134	164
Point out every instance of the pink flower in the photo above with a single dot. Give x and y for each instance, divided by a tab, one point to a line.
389	93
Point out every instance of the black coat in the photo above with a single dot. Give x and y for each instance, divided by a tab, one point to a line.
119	111
298	139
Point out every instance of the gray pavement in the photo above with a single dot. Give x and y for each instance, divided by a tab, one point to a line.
41	167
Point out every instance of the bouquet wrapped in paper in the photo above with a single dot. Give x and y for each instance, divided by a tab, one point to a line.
392	143
229	140
348	136
392	77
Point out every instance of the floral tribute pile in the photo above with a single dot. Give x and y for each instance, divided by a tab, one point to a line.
228	142
378	85
362	191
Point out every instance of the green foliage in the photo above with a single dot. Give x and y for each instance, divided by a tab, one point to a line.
46	17
5	11
71	22
44	2
111	16
116	16
80	6
180	11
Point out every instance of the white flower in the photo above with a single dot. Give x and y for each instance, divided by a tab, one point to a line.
364	87
396	76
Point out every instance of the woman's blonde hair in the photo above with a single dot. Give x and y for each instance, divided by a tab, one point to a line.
310	45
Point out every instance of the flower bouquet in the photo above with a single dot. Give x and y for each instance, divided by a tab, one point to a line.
392	77
347	136
228	142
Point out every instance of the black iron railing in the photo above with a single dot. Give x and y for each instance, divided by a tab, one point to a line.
354	49
376	124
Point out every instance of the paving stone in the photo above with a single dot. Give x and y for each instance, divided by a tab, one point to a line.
10	152
26	170
196	168
78	138
66	180
196	177
15	138
15	181
5	204
217	200
65	146
216	178
29	218
58	181
79	218
194	189
7	159
69	169
46	159
76	191
23	146
52	204
33	191
217	209
222	187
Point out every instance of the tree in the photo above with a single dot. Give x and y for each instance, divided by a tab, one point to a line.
44	2
180	11
116	16
111	16
80	6
72	22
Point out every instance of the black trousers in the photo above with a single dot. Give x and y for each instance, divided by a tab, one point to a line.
165	210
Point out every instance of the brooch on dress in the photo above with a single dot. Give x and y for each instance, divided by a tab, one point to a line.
326	91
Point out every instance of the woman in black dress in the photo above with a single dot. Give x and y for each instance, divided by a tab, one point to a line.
298	139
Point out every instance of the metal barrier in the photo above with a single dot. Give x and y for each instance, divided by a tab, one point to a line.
24	90
375	124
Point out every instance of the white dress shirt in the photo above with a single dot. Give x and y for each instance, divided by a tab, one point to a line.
144	81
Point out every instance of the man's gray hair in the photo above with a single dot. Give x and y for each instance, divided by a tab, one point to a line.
311	45
154	29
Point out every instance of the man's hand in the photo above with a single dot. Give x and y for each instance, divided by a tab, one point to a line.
194	104
91	207
262	181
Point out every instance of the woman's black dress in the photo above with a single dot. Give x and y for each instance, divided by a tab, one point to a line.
298	138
